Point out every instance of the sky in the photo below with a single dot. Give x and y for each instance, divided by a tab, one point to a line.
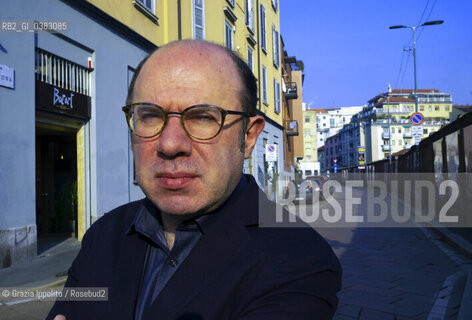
350	54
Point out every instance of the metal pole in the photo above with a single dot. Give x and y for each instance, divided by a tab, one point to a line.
414	63
389	135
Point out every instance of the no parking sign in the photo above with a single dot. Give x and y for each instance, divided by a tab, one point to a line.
271	152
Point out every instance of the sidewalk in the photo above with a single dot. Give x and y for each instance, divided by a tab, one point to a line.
461	240
464	246
47	270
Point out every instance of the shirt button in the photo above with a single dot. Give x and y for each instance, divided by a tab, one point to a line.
173	262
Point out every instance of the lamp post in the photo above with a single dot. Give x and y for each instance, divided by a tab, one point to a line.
429	23
389	131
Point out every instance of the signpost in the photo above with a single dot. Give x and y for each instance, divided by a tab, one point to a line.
417	120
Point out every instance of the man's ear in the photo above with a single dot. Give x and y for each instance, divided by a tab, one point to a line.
254	128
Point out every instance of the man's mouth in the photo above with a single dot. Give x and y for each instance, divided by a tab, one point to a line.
175	181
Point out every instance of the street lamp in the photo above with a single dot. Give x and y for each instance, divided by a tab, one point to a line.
429	23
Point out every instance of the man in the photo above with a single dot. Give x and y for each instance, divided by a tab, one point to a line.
193	248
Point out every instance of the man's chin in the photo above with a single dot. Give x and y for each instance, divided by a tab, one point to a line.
180	206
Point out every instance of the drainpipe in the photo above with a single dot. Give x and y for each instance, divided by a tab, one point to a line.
179	18
257	27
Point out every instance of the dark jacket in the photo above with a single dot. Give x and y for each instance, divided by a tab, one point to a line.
237	270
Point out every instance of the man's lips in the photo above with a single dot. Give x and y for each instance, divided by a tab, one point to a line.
175	181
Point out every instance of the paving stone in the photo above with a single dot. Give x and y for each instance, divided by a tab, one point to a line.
396	272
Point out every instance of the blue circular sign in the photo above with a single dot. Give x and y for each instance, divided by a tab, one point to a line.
417	118
271	148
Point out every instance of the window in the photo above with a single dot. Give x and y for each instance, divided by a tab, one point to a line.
425	131
324	117
446	108
228	35
307	132
148	4
275	4
324	124
276	96
263	28
393	129
436	108
250	58
264	85
430	108
250	14
275	44
421	108
393	142
231	2
198	20
399	130
307	119
331	122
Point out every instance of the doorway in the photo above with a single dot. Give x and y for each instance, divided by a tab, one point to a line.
56	184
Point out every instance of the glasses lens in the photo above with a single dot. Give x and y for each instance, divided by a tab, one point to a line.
146	121
203	122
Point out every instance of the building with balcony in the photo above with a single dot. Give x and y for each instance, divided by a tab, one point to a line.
386	119
292	93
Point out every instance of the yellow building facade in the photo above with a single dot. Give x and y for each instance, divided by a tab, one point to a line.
250	28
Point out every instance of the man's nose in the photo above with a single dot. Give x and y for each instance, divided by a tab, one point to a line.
173	140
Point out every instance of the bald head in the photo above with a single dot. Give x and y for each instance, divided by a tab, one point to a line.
201	52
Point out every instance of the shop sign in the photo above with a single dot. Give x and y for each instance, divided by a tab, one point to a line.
7	76
58	100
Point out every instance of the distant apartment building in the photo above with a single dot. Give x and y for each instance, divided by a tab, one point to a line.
332	153
310	165
383	127
330	121
386	119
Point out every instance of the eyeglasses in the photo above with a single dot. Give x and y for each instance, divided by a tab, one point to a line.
201	122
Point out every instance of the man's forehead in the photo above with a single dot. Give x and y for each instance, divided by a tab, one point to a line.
191	51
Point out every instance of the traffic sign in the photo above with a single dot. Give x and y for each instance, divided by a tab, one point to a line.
271	153
417	134
417	119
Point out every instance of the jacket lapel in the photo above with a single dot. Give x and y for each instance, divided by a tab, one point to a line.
126	279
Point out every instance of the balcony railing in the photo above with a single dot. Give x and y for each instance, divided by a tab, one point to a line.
292	92
385	147
291	128
407	134
385	135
